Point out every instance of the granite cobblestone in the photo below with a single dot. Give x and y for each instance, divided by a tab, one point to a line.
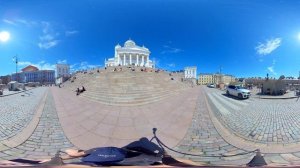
46	140
268	124
17	111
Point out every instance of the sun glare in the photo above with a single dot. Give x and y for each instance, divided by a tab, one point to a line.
4	36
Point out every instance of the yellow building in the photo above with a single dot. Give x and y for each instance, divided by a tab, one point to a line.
207	78
227	79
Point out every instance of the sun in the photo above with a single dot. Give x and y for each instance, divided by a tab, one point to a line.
299	36
4	36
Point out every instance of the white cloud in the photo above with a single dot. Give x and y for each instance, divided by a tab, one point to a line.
42	65
26	22
171	65
48	38
46	27
73	65
168	49
71	32
268	47
9	22
271	68
62	61
48	44
24	63
86	65
156	62
20	22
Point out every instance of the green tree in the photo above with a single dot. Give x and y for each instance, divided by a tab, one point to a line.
281	77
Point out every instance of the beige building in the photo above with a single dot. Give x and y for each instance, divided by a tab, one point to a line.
205	78
227	79
208	78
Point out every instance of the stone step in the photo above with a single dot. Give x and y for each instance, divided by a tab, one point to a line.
126	87
131	90
130	103
146	94
125	99
133	95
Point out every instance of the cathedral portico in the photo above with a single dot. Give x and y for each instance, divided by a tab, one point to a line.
130	54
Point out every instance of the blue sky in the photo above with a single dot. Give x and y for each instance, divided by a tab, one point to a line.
244	37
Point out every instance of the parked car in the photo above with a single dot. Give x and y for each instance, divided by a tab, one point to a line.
211	85
238	91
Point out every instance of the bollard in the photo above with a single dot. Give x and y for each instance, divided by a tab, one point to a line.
258	160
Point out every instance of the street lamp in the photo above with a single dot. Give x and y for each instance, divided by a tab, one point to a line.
16	59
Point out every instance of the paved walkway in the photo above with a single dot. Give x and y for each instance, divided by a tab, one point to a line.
47	138
17	111
6	92
203	139
274	155
90	124
261	121
199	121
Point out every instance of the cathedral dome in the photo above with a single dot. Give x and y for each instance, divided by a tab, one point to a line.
129	43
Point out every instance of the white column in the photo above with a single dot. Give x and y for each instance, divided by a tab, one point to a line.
193	73
143	60
121	62
130	60
137	59
118	59
147	60
124	59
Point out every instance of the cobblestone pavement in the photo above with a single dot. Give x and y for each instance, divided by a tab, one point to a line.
202	138
258	120
46	140
17	111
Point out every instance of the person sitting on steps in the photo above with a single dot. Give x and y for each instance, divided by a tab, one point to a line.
80	90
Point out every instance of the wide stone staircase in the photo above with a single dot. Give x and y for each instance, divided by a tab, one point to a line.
127	87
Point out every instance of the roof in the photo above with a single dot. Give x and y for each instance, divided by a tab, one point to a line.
129	43
30	68
190	67
205	74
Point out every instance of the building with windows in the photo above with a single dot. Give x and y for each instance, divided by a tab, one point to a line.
217	78
62	73
33	74
190	72
63	70
5	79
205	78
227	79
130	54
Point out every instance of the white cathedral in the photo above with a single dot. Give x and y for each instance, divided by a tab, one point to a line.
130	54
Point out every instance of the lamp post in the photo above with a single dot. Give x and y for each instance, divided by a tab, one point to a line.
15	59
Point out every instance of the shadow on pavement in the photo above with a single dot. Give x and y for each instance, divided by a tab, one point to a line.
233	97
